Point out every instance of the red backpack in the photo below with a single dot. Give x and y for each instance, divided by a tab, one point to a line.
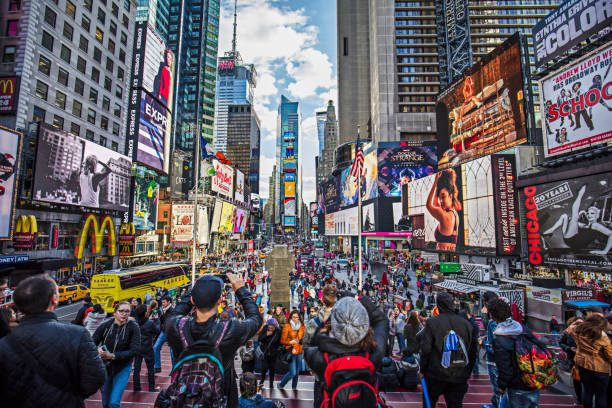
350	382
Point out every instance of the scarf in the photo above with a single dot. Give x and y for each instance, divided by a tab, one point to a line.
295	325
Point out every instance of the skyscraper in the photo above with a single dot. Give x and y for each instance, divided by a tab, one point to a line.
321	116
243	150
330	137
287	177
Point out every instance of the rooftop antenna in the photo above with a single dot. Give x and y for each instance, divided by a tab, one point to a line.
235	24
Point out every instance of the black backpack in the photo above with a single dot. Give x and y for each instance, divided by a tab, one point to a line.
387	377
197	378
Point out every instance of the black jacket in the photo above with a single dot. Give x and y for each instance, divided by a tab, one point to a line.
269	344
567	342
65	352
236	335
122	341
432	345
508	374
80	316
164	315
323	343
410	335
149	329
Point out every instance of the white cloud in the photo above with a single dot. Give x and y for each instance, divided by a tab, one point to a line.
311	71
265	171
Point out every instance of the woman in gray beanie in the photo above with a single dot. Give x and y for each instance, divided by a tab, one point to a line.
355	327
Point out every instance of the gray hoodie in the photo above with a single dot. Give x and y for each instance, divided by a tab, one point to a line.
93	320
508	328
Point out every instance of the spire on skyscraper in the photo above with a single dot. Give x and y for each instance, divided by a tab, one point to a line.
234	52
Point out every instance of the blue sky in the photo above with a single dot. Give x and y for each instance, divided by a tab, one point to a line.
293	46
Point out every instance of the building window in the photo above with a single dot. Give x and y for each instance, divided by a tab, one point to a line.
125	21
101	16
14	5
12	28
123	38
95	75
85	23
116	129
345	46
62	76
42	90
102	141
111	46
89	134
108	84
99	35
65	53
93	96
97	55
117	110
84	44
110	65
118	91
47	41
113	28
70	9
58	122
8	54
79	86
91	116
75	129
88	4
114	146
39	114
122	56
104	122
50	16
120	74
105	103
44	65
81	64
126	4
60	100
68	31
77	108
115	10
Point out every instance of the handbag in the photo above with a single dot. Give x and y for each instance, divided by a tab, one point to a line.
575	373
258	353
287	355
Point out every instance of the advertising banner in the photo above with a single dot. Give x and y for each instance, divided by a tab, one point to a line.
239	218
506	204
226	222
569	222
250	246
476	205
289	221
10	148
179	176
223	180
329	224
239	193
75	171
576	103
289	176
289	189
182	223
368	219
290	206
331	195
289	164
145	203
483	112
544	294
369	179
155	124
348	188
418	231
203	230
216	217
567	26
26	232
313	209
400	164
255	201
127	239
9	88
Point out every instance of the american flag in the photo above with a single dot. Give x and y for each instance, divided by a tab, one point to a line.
357	166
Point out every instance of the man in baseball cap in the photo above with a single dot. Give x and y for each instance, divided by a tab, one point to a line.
206	326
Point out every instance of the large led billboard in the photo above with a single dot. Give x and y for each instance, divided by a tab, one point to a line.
75	171
223	180
154	127
330	191
227	221
400	164
180	175
569	222
289	189
239	193
483	112
239	220
577	103
290	206
10	148
348	188
145	203
369	178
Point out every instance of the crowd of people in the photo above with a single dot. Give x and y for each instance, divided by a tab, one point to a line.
355	343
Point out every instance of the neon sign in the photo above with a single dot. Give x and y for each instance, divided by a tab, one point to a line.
226	65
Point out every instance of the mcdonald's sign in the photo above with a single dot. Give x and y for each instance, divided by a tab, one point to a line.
97	236
127	237
8	90
26	230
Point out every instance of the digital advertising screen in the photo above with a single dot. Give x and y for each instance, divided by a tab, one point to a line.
75	171
331	195
369	178
239	218
223	180
227	218
145	203
577	104
154	128
239	193
10	148
400	164
182	223
348	188
216	217
313	207
290	207
368	218
483	111
158	68
289	189
289	221
569	222
180	171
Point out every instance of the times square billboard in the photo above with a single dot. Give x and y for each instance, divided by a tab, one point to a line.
483	112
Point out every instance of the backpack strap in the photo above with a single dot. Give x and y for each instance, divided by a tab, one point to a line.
225	325
185	332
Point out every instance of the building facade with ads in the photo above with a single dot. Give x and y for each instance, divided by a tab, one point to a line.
287	156
10	148
576	104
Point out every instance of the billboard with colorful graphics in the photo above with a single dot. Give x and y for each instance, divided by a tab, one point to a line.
10	148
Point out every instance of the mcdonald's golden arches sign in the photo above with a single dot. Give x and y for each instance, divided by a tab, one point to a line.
98	230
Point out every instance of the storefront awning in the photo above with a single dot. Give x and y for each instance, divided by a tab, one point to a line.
585	303
456	286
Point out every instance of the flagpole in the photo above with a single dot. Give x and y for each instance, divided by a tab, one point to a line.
359	214
195	206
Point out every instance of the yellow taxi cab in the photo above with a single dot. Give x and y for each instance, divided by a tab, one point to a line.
72	293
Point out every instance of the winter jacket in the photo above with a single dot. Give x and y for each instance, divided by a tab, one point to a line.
391	326
432	345
400	323
256	402
315	323
122	341
324	343
93	321
506	333
280	318
567	343
149	329
594	355
65	352
80	316
387	376
163	315
269	344
488	344
410	335
288	334
236	335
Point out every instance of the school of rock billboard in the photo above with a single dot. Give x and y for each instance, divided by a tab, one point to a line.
75	171
567	26
483	112
10	148
577	103
569	222
469	206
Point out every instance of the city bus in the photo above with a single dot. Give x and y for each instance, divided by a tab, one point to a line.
122	284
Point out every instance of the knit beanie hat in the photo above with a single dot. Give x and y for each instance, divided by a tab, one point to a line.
349	321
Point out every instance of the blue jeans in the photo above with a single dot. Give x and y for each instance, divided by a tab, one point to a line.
113	388
522	398
401	341
161	339
293	373
492	370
